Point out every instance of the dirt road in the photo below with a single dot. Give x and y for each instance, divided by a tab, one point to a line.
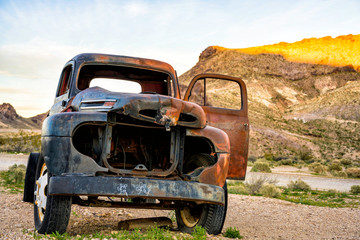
255	217
315	182
7	160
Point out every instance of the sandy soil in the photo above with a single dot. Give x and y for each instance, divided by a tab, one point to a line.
255	217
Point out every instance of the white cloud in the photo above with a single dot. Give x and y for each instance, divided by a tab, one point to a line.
135	8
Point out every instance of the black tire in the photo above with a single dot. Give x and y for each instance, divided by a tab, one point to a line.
54	217
209	216
30	177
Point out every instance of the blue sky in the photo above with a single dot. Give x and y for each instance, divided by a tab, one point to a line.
38	37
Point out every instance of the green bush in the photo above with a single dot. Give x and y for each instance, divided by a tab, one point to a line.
336	161
199	233
269	156
13	178
15	174
237	187
353	172
339	174
305	154
261	166
317	168
286	162
299	185
346	162
251	159
334	167
232	233
270	190
355	189
253	185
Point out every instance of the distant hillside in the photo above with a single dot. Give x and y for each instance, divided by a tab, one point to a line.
297	104
339	51
10	119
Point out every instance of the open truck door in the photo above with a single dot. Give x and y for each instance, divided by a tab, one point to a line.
224	100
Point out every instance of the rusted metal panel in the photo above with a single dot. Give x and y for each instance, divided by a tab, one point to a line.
218	138
234	122
63	124
154	108
217	173
61	157
130	187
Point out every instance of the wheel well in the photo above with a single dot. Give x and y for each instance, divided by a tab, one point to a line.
195	145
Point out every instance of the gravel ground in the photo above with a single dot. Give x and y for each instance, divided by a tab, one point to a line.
255	217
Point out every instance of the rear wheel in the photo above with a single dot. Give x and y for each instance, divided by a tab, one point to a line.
209	216
51	213
30	177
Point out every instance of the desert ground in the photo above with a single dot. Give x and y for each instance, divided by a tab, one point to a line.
255	217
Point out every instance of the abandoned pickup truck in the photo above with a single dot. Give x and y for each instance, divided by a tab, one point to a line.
119	135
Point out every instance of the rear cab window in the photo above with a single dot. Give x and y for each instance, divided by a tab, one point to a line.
125	79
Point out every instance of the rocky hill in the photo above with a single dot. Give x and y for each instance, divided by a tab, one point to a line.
10	119
298	106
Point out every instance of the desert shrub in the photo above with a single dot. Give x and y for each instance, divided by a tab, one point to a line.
237	187
336	162
305	155
346	162
286	162
317	168
270	190
21	141
353	172
299	185
14	177
334	167
253	185
261	166
355	189
251	159
339	173
298	166
232	233
269	156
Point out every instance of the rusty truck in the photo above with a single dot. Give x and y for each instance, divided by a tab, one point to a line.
120	135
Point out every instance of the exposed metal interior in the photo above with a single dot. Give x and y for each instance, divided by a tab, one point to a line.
131	148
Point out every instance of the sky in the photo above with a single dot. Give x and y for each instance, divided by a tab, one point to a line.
38	37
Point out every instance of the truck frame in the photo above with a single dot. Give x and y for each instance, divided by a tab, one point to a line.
142	149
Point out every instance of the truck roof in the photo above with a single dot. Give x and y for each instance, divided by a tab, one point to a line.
124	60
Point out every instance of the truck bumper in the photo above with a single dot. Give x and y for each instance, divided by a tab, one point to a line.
130	187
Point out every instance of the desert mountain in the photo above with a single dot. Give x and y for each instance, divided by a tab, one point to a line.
303	96
10	119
